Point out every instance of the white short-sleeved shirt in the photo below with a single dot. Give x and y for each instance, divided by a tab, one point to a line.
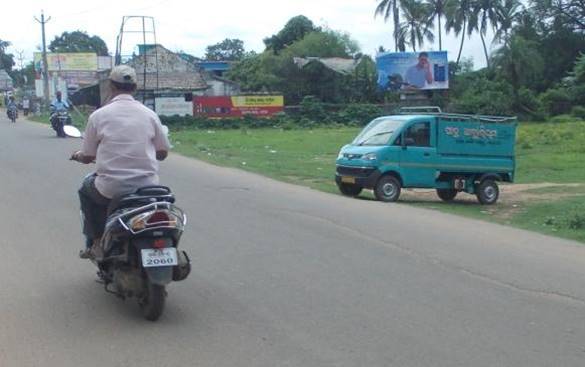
124	136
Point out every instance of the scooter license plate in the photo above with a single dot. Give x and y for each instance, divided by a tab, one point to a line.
159	257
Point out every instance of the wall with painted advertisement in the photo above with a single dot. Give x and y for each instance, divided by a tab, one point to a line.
171	106
74	61
425	70
237	106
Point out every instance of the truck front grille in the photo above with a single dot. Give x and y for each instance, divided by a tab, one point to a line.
355	171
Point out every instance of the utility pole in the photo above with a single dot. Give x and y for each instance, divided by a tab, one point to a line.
45	70
20	58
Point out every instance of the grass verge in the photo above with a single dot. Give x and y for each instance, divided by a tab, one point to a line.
546	153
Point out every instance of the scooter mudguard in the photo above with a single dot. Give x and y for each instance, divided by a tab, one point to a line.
162	275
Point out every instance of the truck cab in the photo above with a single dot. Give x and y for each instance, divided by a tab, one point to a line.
451	153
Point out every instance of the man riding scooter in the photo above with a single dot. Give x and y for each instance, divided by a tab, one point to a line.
12	109
126	140
59	115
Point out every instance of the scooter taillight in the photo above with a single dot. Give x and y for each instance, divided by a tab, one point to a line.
158	217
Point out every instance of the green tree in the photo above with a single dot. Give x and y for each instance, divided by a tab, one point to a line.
226	50
507	14
437	10
461	19
579	70
573	11
6	60
417	23
295	29
270	72
386	8
78	41
519	62
487	16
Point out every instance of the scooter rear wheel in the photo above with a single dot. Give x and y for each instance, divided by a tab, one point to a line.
153	303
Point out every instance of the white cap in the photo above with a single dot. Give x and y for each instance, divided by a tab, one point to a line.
123	74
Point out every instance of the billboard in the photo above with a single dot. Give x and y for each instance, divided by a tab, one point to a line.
77	61
236	106
170	106
413	70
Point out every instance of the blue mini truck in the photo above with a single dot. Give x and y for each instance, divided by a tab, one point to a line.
426	148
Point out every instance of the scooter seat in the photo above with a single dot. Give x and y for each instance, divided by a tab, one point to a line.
143	196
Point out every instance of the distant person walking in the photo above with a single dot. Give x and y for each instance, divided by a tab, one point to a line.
25	105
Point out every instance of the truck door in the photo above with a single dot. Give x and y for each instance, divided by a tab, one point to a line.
418	154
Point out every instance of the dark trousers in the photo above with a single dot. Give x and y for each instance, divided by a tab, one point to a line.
94	207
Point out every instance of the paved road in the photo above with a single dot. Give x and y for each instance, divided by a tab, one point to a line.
283	276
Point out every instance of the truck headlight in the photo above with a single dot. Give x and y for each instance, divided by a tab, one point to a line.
340	155
370	157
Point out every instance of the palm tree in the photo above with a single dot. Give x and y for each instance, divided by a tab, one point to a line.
487	15
460	19
519	61
385	8
417	23
437	8
508	13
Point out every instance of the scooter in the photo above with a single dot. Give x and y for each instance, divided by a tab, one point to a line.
60	119
12	114
138	254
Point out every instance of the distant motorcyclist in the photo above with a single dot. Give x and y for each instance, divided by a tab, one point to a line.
59	106
11	108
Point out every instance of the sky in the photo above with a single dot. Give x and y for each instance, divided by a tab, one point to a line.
192	25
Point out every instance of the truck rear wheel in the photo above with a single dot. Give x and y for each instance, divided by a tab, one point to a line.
387	189
446	194
349	189
487	192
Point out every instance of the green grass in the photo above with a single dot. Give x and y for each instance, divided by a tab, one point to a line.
305	157
564	218
551	152
78	119
546	152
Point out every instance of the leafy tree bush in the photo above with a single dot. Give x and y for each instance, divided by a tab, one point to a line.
556	101
78	41
358	114
579	112
226	50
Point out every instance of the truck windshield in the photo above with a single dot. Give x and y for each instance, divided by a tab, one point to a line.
377	132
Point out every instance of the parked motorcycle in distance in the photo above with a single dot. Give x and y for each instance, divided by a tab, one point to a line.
58	120
138	254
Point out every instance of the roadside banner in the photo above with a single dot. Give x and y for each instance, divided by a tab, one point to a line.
75	61
413	70
234	106
171	106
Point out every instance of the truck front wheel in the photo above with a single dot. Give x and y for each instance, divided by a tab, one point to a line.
446	194
349	189
487	192
387	189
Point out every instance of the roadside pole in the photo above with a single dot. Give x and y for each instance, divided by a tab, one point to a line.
45	69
